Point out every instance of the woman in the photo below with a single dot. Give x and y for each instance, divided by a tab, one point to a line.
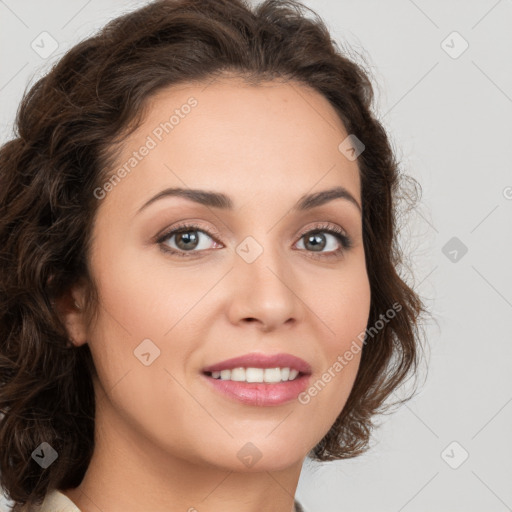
199	281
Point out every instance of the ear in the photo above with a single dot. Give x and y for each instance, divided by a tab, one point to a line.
70	307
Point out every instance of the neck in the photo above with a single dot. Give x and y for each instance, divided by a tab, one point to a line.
128	472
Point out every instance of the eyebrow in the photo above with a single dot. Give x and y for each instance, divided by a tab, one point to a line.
222	201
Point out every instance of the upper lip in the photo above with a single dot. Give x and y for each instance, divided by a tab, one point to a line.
257	360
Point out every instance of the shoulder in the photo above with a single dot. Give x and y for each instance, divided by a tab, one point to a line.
54	501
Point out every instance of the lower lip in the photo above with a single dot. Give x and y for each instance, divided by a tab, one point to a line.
262	394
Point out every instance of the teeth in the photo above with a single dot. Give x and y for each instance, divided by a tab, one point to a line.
285	374
270	375
238	374
254	374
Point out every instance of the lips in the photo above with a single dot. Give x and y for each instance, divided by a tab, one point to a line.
258	360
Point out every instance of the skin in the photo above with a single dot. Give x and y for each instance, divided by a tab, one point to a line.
165	441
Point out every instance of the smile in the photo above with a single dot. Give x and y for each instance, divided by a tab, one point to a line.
268	375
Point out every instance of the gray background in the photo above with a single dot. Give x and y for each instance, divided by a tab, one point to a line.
448	114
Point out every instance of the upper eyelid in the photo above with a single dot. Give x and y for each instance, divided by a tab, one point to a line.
214	234
168	232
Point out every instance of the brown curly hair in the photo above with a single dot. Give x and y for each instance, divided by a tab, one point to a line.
67	130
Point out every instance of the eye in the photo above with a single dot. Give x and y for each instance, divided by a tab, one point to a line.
316	241
188	239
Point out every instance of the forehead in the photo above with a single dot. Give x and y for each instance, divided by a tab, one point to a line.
230	135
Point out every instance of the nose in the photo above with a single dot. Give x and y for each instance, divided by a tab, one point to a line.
265	292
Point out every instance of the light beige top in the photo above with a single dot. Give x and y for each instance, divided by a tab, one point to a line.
54	501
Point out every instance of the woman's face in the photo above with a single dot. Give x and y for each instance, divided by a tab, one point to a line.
249	278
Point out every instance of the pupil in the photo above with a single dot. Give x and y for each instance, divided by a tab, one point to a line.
187	238
315	239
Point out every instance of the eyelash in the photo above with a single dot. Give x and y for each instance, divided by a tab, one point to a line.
345	241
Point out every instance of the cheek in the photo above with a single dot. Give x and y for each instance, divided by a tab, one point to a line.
142	300
143	297
343	305
347	315
140	314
